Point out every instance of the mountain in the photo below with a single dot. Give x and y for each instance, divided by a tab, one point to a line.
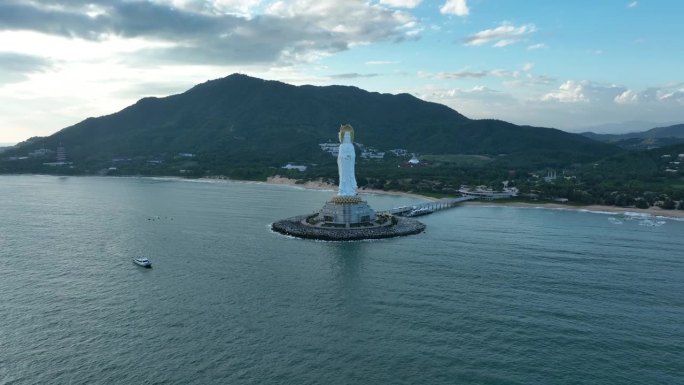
241	121
655	137
626	127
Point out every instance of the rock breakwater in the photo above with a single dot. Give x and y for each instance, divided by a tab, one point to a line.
298	227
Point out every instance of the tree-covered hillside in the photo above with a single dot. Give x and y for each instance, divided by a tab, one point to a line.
240	121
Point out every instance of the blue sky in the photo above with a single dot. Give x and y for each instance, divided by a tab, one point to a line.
563	64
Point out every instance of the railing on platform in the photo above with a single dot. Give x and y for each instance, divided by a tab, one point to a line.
428	207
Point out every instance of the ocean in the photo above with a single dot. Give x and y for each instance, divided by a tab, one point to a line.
487	295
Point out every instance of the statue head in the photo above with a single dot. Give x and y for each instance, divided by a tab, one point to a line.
344	129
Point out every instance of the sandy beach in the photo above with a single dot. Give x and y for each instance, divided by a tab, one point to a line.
654	211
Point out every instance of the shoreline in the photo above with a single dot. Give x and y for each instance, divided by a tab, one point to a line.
320	185
653	211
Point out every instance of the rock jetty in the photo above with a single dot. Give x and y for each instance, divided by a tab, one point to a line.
301	227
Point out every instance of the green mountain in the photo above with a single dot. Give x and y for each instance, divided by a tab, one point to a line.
240	121
653	138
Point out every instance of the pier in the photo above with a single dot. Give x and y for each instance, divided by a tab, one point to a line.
429	207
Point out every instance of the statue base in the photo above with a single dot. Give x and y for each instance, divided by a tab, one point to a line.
347	218
386	226
346	210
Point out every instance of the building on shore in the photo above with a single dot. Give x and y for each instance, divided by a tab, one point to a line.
489	194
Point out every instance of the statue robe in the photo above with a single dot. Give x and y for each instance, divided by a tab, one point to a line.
345	166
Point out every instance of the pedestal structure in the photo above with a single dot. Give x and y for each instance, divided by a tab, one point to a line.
346	217
341	210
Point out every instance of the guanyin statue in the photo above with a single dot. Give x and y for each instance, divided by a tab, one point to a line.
345	162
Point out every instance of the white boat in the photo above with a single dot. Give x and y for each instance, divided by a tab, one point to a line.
142	261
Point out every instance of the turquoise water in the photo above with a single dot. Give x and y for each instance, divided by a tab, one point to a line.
487	295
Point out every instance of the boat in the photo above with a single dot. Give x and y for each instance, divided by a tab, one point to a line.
142	261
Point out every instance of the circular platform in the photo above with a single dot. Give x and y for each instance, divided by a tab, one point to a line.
394	227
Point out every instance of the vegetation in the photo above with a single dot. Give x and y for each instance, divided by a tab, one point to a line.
653	138
246	128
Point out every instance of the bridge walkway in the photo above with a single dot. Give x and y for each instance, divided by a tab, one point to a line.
429	207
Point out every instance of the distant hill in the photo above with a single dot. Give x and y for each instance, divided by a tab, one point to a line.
655	137
241	121
628	126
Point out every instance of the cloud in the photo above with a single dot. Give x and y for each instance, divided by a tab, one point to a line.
501	36
218	31
466	74
16	67
475	92
672	94
632	4
214	7
573	105
527	67
530	80
568	92
455	7
381	62
353	75
627	97
463	74
583	91
536	46
479	102
401	3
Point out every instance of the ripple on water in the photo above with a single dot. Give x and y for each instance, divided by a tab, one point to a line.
485	295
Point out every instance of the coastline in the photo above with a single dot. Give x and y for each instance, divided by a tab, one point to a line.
320	185
653	211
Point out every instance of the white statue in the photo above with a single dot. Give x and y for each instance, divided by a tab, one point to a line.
345	162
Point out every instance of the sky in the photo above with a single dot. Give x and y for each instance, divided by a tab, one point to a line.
563	64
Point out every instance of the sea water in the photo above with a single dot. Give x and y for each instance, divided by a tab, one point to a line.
487	295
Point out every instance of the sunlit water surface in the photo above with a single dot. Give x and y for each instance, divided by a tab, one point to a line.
487	295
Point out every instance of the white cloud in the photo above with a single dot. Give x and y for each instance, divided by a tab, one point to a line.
502	36
455	7
469	74
214	7
536	46
530	81
572	106
475	92
527	67
569	92
478	102
504	43
627	97
573	91
632	4
584	91
401	3
351	22
381	62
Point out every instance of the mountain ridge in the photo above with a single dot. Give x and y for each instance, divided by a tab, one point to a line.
241	120
654	137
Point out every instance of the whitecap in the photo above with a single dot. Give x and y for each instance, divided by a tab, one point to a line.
615	221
